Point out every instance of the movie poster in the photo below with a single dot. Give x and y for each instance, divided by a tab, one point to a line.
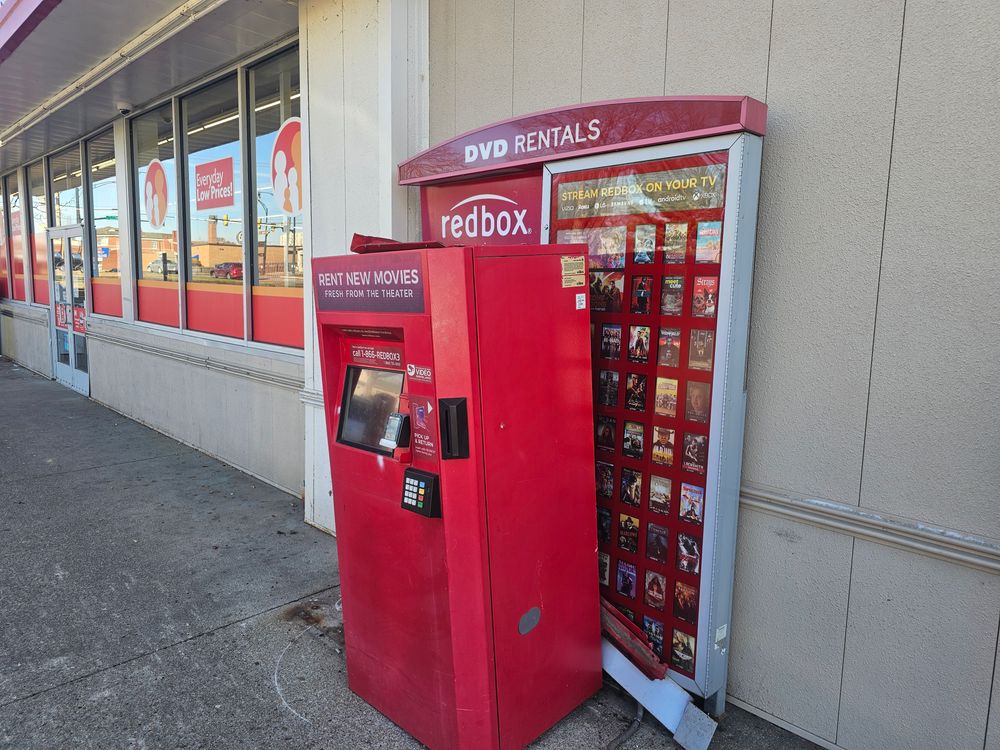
628	532
708	244
606	245
604	435
654	631
607	289
605	479
625	580
695	454
701	350
696	405
675	242
669	351
663	446
672	295
657	542
665	404
645	243
685	602
633	442
692	503
659	495
635	392
631	490
603	525
625	611
611	341
688	554
682	651
642	292
607	388
706	296
655	590
638	344
604	568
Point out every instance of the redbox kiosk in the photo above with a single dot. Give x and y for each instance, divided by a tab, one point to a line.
461	448
663	191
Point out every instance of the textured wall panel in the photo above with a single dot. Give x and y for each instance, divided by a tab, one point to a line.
789	615
547	65
826	157
918	662
441	58
933	447
484	49
643	24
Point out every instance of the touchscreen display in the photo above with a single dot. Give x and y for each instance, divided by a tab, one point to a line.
370	396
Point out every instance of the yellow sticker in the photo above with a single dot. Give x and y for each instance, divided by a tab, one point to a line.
572	265
573	279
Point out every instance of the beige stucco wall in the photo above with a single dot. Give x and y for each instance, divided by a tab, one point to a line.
876	322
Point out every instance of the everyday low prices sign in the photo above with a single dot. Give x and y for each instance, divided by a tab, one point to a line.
213	184
387	282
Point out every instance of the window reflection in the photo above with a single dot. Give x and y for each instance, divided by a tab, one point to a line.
153	143
66	186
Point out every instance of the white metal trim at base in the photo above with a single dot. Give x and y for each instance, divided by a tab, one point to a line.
664	699
771	718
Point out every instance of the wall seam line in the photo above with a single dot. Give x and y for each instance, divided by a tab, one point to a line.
843	656
583	44
513	52
993	684
881	256
666	48
767	65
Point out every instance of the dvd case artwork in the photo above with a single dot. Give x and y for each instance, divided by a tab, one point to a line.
688	554
655	590
633	442
692	503
695	452
645	243
625	580
604	567
701	350
604	436
659	495
654	631
663	446
642	292
675	241
625	611
605	245
631	490
605	479
665	404
607	289
669	350
611	341
603	525
699	397
635	391
706	296
685	602
638	344
657	542
607	388
628	532
672	295
682	651
708	242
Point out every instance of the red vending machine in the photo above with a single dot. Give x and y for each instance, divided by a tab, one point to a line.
458	398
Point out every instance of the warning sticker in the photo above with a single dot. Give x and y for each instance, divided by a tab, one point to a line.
573	280
573	265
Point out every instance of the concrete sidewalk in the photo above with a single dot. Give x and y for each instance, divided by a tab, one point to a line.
153	597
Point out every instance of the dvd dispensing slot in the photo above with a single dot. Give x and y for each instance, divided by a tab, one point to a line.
454	415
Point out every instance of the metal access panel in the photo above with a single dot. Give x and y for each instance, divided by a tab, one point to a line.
670	232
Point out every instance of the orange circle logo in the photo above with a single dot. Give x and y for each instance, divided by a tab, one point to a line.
286	167
155	193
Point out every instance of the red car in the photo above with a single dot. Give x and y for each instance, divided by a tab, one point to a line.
227	271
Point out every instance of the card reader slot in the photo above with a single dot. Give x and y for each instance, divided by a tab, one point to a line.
454	416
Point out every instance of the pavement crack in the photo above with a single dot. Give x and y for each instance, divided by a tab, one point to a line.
155	651
27	477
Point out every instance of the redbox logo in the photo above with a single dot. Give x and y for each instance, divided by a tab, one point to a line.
478	221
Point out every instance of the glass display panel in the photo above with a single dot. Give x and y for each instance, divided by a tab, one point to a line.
370	396
16	238
66	186
4	267
39	225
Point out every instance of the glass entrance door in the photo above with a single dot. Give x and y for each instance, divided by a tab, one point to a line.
69	309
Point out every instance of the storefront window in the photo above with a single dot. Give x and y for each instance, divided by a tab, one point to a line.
214	257
15	236
156	208
4	245
39	226
66	187
105	276
276	152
